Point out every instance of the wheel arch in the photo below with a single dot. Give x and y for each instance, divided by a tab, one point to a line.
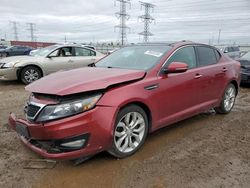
29	65
234	82
144	107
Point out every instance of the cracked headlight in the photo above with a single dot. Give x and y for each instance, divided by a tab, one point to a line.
52	112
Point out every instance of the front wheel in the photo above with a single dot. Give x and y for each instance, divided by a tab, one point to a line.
30	74
4	55
228	100
130	132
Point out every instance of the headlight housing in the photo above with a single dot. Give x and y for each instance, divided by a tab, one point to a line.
10	64
52	112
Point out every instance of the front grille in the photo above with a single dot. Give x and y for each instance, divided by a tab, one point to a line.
32	110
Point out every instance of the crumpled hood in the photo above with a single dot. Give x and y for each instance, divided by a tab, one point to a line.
82	80
21	59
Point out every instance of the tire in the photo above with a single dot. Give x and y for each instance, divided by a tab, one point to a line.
5	55
228	100
30	74
130	131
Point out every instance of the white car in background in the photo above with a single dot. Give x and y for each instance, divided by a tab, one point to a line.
47	60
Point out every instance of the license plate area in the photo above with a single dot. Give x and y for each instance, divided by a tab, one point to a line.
22	130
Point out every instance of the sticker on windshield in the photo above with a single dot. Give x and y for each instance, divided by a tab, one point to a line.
153	53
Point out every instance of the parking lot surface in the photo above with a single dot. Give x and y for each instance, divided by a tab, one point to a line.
208	150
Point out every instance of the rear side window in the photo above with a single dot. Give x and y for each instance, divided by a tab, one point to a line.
84	52
206	56
185	55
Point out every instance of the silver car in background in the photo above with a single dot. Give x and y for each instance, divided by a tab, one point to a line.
231	51
47	60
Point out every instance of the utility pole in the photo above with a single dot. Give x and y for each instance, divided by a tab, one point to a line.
31	29
123	16
219	36
147	19
15	32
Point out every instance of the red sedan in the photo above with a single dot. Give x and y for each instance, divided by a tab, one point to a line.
130	93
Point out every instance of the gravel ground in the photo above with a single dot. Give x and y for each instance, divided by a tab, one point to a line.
208	150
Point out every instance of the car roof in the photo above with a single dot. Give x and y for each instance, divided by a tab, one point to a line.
71	45
172	44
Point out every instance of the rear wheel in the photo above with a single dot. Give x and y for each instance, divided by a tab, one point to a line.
30	74
228	100
130	132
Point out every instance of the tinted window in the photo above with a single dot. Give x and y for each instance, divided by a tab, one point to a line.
236	49
231	49
185	55
84	52
206	56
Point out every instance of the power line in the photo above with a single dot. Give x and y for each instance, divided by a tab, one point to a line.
123	16
31	29
15	32
147	19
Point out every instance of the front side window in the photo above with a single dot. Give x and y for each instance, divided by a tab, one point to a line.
206	55
62	52
184	55
84	52
65	51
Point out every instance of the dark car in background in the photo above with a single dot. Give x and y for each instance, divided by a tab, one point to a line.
3	47
245	68
15	50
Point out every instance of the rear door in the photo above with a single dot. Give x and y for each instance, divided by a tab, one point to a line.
212	72
83	57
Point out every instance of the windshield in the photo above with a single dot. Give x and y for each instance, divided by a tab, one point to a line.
134	57
246	56
43	51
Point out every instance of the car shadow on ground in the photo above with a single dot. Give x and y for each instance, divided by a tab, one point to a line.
11	83
155	141
245	85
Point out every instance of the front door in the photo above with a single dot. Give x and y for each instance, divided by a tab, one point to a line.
179	93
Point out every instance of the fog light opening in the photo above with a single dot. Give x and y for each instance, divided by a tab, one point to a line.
74	144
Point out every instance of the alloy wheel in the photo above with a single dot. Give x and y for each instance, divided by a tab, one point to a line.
31	75
229	98
129	132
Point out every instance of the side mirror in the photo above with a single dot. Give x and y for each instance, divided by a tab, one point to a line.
176	67
225	51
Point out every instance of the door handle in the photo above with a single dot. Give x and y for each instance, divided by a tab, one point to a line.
70	61
224	69
93	59
197	76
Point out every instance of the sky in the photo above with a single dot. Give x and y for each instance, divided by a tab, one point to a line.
93	21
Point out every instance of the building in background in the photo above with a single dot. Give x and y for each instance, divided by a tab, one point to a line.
31	44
